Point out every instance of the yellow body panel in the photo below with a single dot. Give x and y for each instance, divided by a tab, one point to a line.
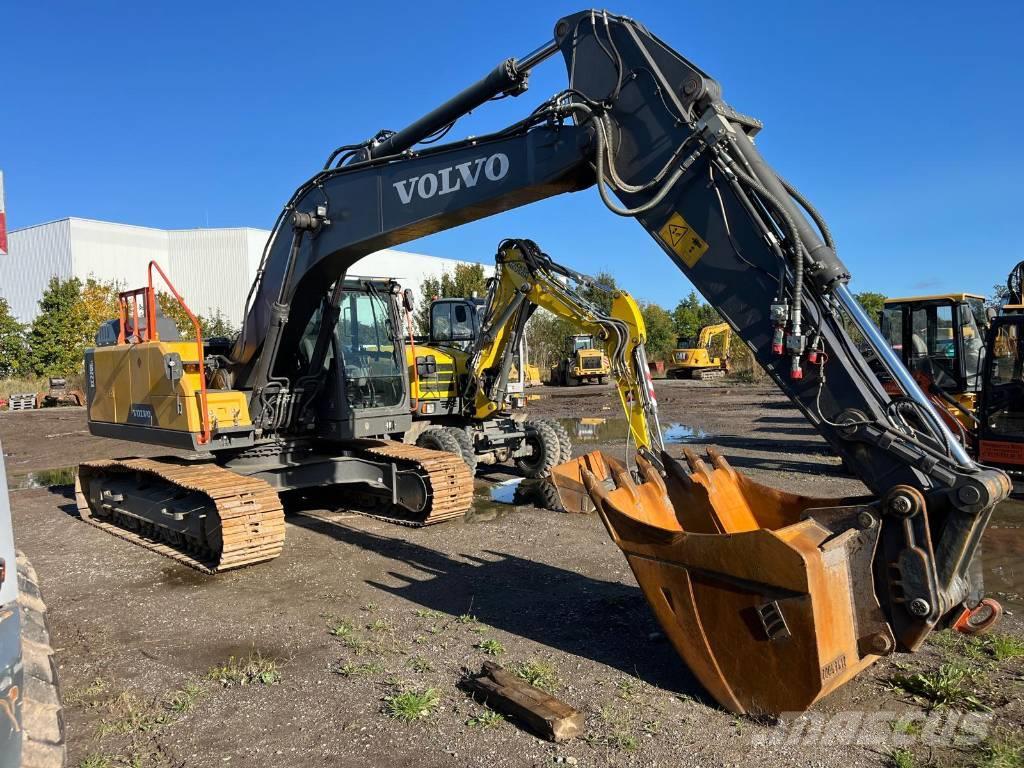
131	387
442	385
579	370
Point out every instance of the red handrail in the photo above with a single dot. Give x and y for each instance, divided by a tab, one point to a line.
153	334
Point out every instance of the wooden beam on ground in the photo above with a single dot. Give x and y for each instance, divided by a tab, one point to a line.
545	715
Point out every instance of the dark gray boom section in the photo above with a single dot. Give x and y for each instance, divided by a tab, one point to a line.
652	129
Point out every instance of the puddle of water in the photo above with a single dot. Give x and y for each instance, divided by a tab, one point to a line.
43	478
602	430
498	500
1002	552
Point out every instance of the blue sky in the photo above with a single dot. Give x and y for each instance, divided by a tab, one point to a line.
901	121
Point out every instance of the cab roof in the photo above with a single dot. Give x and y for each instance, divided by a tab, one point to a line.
954	297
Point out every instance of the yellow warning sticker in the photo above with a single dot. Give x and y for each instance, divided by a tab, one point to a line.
680	237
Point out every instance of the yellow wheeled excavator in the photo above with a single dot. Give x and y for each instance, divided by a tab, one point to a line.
460	376
697	359
773	599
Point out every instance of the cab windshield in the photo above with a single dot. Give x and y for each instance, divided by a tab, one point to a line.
361	349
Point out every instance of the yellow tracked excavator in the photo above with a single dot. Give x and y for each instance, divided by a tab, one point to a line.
697	359
773	599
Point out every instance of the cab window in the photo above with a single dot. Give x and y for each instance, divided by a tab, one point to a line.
451	321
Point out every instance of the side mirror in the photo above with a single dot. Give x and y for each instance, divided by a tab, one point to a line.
407	300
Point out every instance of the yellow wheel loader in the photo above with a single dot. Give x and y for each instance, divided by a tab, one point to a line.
772	599
705	358
584	363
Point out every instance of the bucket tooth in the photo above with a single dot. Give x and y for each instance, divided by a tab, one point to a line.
758	597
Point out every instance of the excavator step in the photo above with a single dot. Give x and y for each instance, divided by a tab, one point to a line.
243	518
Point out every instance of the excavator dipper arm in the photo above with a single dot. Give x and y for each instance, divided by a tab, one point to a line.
652	131
526	279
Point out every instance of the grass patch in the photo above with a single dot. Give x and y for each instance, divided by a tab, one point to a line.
97	687
408	706
537	673
623	740
254	669
351	669
341	628
1002	754
127	713
490	647
379	625
182	702
466	618
427	613
420	664
906	726
949	686
95	761
485	720
999	646
901	758
1003	646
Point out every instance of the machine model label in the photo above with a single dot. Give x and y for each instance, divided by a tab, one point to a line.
141	414
680	237
444	181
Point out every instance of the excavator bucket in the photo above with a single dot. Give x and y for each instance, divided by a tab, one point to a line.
767	596
567	478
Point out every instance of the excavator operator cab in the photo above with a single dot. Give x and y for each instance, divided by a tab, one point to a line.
1001	402
455	322
940	339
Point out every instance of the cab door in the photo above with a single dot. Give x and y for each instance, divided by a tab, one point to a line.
1001	404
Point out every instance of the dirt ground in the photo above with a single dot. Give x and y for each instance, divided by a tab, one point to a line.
356	612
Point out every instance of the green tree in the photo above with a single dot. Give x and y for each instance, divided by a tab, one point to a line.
213	324
661	331
691	314
872	303
547	339
599	292
13	343
60	331
99	298
217	324
465	281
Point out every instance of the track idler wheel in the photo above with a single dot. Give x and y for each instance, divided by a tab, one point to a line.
754	592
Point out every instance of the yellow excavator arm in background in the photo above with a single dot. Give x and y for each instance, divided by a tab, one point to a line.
710	332
526	279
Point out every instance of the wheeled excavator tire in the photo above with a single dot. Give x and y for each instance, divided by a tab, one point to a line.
546	450
447	439
466	446
200	514
564	441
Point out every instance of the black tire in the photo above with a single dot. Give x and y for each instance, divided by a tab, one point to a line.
465	445
564	441
546	450
439	439
549	496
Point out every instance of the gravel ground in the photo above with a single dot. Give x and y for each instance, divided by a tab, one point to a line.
355	612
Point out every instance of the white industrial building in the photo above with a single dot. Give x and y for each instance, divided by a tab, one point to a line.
211	268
